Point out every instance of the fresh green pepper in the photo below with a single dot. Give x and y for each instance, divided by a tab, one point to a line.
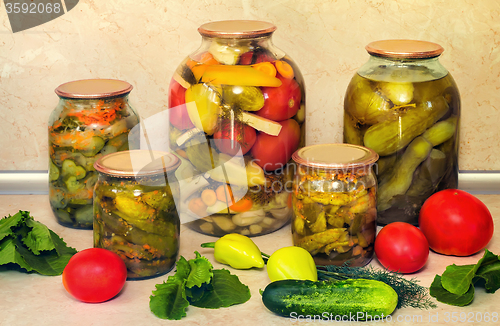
291	263
237	251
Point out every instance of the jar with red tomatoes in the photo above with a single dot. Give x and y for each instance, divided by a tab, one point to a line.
237	113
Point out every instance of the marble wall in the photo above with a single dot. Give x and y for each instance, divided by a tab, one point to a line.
143	41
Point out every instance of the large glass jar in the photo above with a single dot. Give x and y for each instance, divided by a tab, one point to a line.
406	106
237	113
93	118
334	203
135	212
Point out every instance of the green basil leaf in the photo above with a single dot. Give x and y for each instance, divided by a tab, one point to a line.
169	299
437	291
227	291
201	271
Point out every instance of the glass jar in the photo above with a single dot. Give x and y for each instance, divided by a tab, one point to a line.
237	113
406	106
135	212
93	118
334	203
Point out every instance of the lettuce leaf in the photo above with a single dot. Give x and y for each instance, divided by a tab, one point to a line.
195	283
456	285
30	245
169	299
227	291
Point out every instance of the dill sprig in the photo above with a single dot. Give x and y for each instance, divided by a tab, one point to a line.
410	293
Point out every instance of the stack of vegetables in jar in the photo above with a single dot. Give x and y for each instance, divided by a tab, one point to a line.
135	212
93	118
405	105
334	203
236	115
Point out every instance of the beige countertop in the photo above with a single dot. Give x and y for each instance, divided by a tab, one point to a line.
32	299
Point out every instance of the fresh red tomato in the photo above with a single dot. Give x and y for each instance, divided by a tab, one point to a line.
178	114
281	103
273	152
456	223
94	275
230	139
401	247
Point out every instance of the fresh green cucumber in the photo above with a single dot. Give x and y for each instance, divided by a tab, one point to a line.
361	298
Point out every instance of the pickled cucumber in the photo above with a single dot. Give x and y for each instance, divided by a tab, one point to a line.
389	136
352	134
398	93
248	98
441	131
53	171
91	147
402	174
365	104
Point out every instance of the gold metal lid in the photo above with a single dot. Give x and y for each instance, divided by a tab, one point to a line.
137	163
93	88
236	29
335	156
404	49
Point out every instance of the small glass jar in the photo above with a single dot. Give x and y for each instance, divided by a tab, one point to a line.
334	203
237	114
135	212
406	106
93	118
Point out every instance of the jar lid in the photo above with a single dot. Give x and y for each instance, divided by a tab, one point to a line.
236	29
93	88
404	49
134	163
335	156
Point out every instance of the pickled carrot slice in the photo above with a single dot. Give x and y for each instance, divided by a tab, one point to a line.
284	69
242	205
266	67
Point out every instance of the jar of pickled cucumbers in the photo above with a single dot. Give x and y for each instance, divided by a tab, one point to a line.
405	106
93	118
135	212
237	113
334	203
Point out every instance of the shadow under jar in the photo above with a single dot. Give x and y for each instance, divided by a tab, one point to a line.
334	203
405	106
135	213
93	118
237	113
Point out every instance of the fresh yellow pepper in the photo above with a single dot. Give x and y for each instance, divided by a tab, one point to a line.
291	263
237	251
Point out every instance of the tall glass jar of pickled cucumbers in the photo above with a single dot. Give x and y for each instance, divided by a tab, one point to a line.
135	213
334	203
406	106
93	118
237	113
